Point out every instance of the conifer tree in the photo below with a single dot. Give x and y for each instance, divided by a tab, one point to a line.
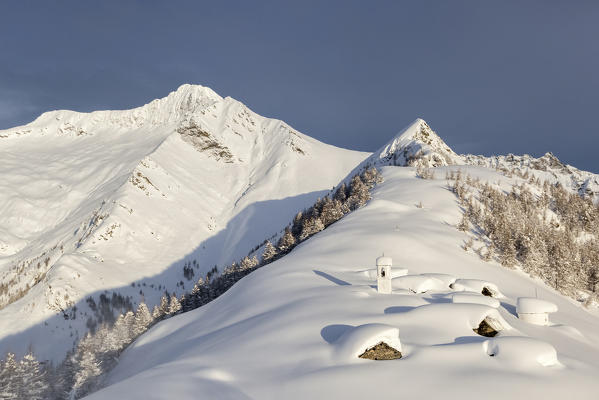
296	226
331	212
359	193
164	305
270	252
156	314
248	263
88	369
33	383
311	226
341	193
287	242
174	305
9	380
143	319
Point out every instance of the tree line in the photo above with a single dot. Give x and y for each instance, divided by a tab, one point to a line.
545	229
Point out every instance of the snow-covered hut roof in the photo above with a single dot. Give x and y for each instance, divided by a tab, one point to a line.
532	305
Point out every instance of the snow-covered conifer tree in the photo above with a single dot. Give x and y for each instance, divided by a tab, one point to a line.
163	306
88	369
341	193
9	380
287	241
248	263
311	226
33	385
270	252
174	305
359	193
296	226
331	212
156	314
143	319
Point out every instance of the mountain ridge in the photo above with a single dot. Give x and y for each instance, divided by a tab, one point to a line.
130	186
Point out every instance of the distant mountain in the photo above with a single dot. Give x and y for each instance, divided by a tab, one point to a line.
419	145
116	203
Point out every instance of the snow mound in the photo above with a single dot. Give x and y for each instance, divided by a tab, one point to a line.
532	305
447	279
522	352
417	283
364	337
478	286
398	272
474	298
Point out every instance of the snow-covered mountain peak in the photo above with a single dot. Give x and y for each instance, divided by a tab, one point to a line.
189	177
417	144
186	101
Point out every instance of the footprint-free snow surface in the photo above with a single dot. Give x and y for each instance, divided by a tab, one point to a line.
294	329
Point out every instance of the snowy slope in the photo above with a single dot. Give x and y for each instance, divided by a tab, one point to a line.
118	201
293	329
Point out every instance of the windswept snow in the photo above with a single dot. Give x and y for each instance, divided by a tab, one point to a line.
293	329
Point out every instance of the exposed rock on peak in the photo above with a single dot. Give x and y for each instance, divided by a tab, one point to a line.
417	144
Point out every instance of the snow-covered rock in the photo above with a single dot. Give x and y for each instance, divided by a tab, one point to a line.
357	340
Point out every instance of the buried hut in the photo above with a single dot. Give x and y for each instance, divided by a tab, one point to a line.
383	274
534	311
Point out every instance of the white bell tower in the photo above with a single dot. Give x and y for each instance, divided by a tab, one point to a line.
383	274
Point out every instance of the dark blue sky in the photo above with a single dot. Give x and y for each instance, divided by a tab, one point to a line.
491	77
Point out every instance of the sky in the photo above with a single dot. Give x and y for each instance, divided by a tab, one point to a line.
490	77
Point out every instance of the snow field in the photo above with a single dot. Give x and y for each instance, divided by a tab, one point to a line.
282	331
